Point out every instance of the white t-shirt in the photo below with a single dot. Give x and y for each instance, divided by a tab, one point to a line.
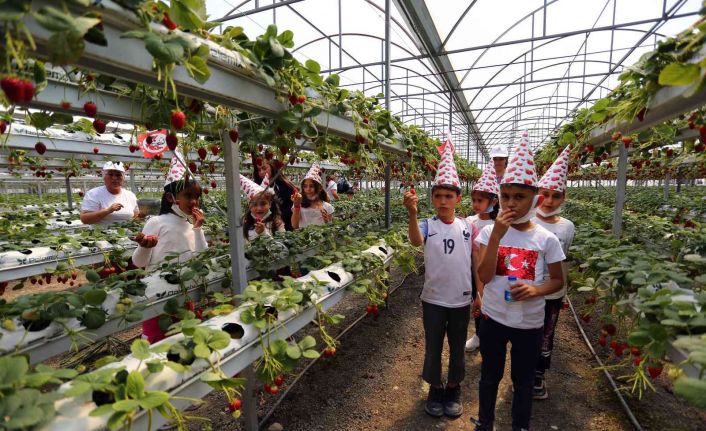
524	255
564	230
311	215
174	234
330	188
480	224
447	262
99	198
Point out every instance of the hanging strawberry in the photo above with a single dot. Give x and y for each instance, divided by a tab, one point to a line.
90	109
178	119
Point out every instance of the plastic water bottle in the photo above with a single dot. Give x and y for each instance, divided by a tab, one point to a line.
514	312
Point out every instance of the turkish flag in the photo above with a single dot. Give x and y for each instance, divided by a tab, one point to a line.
516	261
156	145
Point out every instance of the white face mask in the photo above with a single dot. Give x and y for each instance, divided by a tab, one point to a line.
549	214
530	213
179	212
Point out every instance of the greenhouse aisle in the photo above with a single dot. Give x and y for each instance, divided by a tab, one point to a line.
374	383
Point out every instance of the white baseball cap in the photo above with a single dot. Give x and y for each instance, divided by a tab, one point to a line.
117	166
498	151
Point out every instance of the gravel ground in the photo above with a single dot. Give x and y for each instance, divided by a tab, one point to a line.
374	383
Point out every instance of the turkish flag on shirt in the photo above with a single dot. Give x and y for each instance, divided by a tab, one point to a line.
516	261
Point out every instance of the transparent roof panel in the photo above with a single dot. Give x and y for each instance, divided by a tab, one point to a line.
512	65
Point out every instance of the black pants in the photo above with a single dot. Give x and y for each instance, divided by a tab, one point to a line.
523	360
439	322
476	320
552	308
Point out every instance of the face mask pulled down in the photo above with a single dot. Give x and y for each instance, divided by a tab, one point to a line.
530	213
180	213
548	214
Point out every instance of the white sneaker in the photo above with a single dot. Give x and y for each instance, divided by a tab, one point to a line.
472	344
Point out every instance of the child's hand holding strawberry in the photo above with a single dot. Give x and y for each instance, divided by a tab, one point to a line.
146	241
259	226
410	202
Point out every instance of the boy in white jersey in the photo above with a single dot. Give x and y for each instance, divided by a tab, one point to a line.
513	255
446	297
552	187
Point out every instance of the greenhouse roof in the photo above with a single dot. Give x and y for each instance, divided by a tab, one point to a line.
510	66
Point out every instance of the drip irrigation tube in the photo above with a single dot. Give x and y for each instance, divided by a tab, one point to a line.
623	403
310	364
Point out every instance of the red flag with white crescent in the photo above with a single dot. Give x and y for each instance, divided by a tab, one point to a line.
156	144
516	261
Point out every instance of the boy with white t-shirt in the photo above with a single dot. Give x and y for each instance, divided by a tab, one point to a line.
552	187
446	297
514	253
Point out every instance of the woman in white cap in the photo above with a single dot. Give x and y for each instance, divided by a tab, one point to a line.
499	155
109	203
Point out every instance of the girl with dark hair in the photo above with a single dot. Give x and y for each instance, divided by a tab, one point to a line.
263	217
177	228
311	206
485	202
283	188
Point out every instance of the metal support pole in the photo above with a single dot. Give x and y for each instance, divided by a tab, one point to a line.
237	262
680	179
388	169
620	190
667	180
69	198
133	185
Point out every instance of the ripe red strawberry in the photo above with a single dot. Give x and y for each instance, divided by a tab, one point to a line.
95	150
202	153
616	136
199	313
233	134
589	148
637	361
3	126
267	387
369	309
329	352
205	190
215	150
12	87
614	344
178	120
654	371
192	167
610	329
670	152
269	155
235	405
40	148
65	104
189	305
602	341
284	150
99	125
172	141
279	380
635	351
293	99
213	184
90	109
411	190
627	141
301	99
80	194
27	90
365	120
168	22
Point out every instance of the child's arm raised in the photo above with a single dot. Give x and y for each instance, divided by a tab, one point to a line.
415	235
296	208
489	253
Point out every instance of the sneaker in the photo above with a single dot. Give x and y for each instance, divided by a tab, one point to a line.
473	343
434	405
539	391
452	402
479	426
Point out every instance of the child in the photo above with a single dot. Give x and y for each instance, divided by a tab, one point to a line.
446	297
263	217
552	187
177	228
311	206
485	206
514	252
